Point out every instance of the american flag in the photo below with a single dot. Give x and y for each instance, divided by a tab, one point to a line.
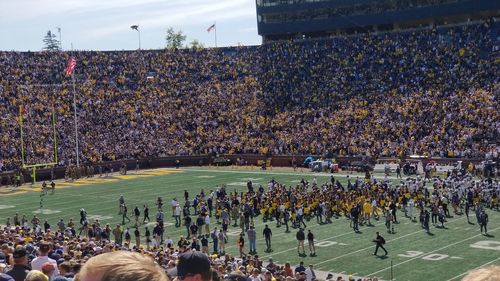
211	27
71	66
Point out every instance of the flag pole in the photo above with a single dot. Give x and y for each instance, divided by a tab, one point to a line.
76	118
76	121
54	127
139	32
215	27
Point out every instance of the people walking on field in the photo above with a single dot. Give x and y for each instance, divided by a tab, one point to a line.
124	214
252	237
379	241
267	235
483	222
310	240
389	223
300	242
121	202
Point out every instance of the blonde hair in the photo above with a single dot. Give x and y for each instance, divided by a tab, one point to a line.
490	273
36	275
121	266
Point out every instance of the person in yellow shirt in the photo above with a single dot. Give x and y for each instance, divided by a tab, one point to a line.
367	211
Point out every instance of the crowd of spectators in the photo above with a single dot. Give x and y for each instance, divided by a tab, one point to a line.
432	92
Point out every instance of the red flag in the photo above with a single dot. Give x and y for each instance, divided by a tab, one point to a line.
211	27
71	66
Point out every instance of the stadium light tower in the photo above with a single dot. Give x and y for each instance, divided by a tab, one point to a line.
136	27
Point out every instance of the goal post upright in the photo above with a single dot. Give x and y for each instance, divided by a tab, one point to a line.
22	134
53	121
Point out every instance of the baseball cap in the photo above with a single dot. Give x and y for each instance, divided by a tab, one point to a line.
191	263
19	253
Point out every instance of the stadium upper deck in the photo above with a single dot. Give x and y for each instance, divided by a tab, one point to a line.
431	92
293	19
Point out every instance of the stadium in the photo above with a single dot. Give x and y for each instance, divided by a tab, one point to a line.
371	129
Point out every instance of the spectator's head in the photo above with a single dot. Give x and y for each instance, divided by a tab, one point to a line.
36	275
44	248
121	266
193	266
20	256
235	276
48	268
65	268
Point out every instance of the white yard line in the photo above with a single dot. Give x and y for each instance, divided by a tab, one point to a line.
364	249
424	254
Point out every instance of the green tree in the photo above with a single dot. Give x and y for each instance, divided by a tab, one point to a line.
195	44
50	41
175	39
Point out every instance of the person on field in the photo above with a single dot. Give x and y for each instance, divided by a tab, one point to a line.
379	243
300	236
310	241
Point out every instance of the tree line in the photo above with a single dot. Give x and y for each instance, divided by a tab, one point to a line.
174	40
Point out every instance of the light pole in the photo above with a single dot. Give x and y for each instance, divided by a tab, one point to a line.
60	38
136	27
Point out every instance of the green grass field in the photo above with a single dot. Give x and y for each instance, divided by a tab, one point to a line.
415	255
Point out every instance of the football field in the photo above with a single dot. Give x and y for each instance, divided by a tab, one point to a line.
445	254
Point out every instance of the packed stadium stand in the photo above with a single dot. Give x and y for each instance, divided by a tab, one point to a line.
430	92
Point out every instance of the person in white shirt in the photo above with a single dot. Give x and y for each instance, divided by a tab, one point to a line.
177	215
411	208
310	274
255	275
38	262
207	224
174	204
169	243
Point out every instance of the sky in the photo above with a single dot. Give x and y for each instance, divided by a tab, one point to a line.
105	24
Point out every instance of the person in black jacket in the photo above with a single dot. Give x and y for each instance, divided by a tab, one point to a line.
380	241
187	223
483	222
310	240
267	234
300	241
20	269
